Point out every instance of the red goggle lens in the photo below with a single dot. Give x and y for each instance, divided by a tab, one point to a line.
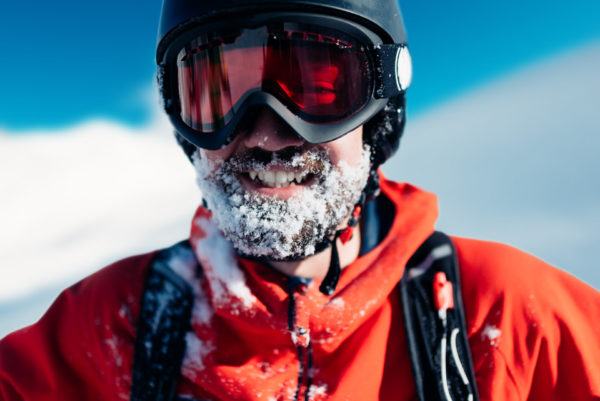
322	78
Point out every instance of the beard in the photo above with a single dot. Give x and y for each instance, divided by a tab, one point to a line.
279	229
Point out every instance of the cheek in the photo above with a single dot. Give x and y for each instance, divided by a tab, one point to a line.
347	148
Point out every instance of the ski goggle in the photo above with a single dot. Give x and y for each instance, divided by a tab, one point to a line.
322	76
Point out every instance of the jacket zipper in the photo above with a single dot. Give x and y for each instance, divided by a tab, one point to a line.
304	353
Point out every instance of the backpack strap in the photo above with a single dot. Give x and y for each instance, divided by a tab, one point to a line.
163	322
435	323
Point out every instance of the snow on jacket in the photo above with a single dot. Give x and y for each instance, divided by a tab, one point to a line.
533	330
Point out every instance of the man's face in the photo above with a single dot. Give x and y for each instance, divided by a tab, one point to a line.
276	196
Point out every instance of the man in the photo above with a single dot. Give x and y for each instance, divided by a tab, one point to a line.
288	286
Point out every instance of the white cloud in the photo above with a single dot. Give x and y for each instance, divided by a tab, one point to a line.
74	201
514	161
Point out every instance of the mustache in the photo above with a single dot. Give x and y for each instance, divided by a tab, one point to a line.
312	160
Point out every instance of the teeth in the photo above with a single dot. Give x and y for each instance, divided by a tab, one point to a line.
269	177
277	179
281	177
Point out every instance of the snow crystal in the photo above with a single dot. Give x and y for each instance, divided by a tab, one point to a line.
162	299
491	333
268	226
337	302
217	256
317	391
113	346
263	141
202	312
184	264
125	312
195	352
290	391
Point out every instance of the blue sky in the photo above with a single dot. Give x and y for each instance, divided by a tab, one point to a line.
70	61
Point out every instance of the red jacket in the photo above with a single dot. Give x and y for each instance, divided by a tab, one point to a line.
533	330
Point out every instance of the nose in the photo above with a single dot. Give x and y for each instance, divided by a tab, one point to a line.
269	132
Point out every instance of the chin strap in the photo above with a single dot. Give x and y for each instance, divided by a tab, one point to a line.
332	277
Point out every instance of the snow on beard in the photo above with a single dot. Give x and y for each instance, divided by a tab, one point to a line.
276	229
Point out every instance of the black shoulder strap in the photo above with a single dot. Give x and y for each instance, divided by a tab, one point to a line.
163	322
439	350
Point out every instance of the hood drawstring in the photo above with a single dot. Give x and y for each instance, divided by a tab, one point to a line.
332	277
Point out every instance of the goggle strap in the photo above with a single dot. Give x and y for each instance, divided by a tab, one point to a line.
387	82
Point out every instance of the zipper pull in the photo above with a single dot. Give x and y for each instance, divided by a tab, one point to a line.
301	337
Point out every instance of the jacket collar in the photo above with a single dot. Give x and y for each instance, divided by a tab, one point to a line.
253	297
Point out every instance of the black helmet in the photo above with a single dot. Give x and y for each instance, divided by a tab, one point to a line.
384	126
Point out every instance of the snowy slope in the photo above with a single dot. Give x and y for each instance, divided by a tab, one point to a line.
514	161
